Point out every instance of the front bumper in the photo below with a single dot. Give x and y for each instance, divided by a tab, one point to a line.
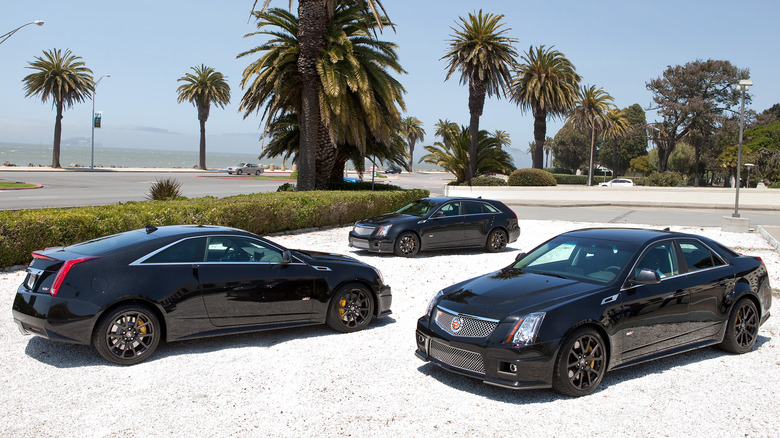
384	301
58	319
372	245
500	365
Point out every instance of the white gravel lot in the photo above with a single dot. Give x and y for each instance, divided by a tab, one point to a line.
313	382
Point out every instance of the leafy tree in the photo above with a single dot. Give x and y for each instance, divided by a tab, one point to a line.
570	147
769	115
202	88
590	113
63	78
483	54
641	164
616	129
632	144
311	32
546	82
454	158
682	159
412	130
691	97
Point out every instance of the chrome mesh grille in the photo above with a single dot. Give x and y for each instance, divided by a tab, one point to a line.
362	230
463	359
464	326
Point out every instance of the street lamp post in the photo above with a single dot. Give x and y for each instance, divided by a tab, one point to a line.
743	86
92	161
5	36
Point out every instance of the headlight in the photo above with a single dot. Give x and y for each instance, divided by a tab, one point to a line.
383	230
524	332
379	274
435	298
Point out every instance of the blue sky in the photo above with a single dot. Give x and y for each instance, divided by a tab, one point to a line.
146	46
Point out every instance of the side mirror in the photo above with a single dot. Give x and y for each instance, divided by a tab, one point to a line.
520	256
286	256
646	276
437	215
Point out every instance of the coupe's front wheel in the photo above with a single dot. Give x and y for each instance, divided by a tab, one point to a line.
351	309
128	335
742	328
407	244
581	363
496	241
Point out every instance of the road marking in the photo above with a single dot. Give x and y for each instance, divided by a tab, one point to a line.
37	197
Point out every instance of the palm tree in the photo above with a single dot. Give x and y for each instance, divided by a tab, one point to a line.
446	130
412	130
311	32
454	158
502	137
616	129
484	55
548	146
202	88
65	80
591	112
546	82
358	99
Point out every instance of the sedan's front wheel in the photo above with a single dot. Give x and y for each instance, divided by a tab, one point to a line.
128	335
581	363
742	328
407	244
239	172
351	308
496	241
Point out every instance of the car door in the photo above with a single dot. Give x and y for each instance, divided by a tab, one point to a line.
654	317
711	278
444	229
244	281
477	220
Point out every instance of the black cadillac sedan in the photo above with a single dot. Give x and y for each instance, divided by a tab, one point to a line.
438	223
593	300
126	292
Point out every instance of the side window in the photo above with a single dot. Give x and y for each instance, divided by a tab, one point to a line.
697	256
231	249
186	251
470	207
451	209
660	258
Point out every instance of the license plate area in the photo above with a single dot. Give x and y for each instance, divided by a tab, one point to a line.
32	278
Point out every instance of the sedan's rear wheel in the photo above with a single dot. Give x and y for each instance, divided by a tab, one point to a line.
351	308
257	172
496	241
239	172
407	244
128	335
581	363
742	328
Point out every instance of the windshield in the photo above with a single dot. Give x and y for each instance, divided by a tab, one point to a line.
592	260
420	207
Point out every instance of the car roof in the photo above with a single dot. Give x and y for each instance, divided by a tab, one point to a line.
442	199
631	235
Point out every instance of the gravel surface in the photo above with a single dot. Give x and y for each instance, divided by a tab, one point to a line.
312	381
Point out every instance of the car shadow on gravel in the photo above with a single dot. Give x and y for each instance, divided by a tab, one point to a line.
615	377
64	355
427	254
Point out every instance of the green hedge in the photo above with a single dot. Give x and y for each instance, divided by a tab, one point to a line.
24	231
531	177
571	179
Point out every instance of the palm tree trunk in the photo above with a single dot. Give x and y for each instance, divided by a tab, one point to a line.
202	163
615	158
592	153
540	133
326	157
312	20
55	159
477	91
411	154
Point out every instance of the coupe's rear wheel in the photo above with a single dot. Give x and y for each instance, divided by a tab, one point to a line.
581	363
407	244
351	308
496	241
742	328
128	335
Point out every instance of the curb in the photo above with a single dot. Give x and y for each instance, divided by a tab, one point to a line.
769	238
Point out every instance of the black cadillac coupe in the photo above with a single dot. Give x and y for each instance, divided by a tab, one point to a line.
126	292
438	223
593	300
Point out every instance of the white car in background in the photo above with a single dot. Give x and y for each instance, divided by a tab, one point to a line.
620	182
245	168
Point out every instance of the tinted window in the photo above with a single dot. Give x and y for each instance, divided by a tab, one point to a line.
105	244
451	209
472	207
421	207
661	258
240	249
186	251
698	256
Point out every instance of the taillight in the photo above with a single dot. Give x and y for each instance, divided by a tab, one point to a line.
63	272
43	257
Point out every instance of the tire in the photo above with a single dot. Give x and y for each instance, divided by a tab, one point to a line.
496	241
742	328
350	309
581	363
257	172
128	335
407	244
239	172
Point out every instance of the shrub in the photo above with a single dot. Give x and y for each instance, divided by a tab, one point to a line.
571	179
531	177
484	181
665	179
164	190
286	187
361	186
24	231
775	185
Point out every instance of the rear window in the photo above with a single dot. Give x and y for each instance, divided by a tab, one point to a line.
103	245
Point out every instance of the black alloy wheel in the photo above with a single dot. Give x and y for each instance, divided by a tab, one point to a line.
351	308
581	363
742	328
496	241
407	244
128	335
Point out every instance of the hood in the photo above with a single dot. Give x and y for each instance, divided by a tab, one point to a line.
388	218
510	291
324	257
